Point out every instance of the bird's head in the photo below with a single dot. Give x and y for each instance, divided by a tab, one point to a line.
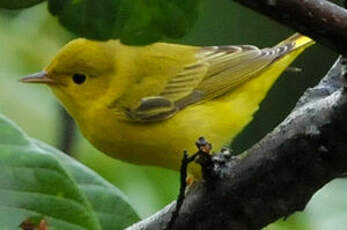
80	73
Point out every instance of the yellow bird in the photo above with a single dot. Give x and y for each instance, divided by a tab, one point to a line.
146	104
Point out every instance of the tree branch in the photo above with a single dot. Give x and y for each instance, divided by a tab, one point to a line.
319	19
277	176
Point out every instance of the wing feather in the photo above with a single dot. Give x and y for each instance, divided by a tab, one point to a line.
183	83
217	70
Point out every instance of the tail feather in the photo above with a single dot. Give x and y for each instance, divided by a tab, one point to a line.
298	40
293	45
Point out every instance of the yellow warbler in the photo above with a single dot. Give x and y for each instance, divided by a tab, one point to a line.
146	104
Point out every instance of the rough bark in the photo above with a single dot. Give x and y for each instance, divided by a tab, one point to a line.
277	176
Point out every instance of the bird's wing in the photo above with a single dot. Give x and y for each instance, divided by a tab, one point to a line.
217	70
230	66
162	104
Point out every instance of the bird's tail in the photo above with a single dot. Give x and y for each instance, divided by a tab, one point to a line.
296	41
299	41
290	48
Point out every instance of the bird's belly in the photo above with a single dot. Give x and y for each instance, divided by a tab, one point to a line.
162	143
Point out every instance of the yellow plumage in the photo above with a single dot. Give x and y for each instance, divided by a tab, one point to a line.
145	105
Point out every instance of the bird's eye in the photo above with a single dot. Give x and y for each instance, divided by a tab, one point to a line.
79	78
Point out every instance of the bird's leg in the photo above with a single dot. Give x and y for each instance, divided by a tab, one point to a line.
205	158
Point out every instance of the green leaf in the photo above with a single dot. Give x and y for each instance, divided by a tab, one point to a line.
39	182
136	22
110	205
87	18
17	4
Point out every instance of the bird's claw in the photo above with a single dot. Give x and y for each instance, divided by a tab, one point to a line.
203	145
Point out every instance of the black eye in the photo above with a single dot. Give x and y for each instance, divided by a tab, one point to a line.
79	78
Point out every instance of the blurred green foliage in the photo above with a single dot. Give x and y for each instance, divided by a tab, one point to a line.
135	22
143	22
88	18
17	4
29	38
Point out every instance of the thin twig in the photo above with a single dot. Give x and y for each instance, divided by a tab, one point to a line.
183	185
204	159
67	132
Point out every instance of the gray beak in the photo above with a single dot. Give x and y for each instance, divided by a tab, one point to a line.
40	77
